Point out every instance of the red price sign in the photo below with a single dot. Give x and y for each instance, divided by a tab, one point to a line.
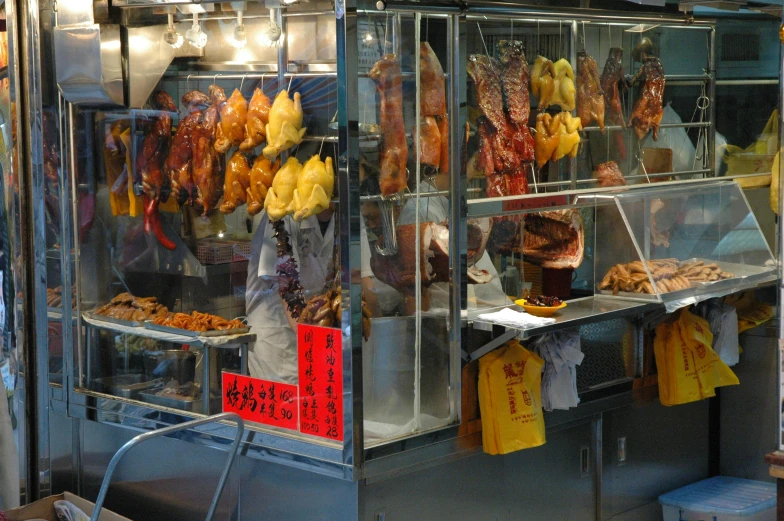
320	360
538	202
261	401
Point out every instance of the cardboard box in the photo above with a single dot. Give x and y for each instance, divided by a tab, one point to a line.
44	509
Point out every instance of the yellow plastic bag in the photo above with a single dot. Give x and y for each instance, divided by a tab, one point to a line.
774	184
711	371
114	154
678	381
757	158
751	313
510	399
688	368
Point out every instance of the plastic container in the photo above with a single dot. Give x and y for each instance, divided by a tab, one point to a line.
721	499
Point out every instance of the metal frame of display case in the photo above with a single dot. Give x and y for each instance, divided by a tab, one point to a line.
350	460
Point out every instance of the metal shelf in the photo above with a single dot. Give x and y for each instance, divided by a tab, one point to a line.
578	312
518	204
231	341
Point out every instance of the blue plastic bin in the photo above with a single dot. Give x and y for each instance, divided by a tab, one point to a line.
721	499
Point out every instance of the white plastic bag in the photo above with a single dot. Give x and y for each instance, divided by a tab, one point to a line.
723	320
677	139
561	353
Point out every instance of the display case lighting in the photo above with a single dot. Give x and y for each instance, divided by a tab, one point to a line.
195	35
171	36
239	38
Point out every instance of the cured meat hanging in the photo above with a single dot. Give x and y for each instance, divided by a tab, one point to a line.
609	174
497	153
432	97
548	137
543	81
258	117
569	142
179	163
648	110
434	125
207	168
612	82
315	183
590	97
514	81
233	118
236	183
554	239
387	76
284	129
262	173
399	270
564	95
155	186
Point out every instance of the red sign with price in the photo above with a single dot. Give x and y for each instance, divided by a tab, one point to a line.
261	401
320	360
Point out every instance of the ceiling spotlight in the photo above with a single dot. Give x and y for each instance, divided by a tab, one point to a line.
273	30
195	35
171	36
289	2
240	38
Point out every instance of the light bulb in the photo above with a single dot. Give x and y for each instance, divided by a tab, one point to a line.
368	37
195	35
171	36
273	30
239	39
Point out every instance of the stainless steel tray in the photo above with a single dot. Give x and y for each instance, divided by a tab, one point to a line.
172	401
742	272
124	386
743	275
184	332
103	318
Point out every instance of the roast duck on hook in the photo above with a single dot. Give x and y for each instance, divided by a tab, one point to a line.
150	178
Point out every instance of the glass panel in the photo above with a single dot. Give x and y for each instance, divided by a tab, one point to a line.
686	245
191	241
405	209
623	59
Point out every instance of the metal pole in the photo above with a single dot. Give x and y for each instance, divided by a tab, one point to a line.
283	49
349	230
457	198
780	230
572	161
597	427
711	137
36	363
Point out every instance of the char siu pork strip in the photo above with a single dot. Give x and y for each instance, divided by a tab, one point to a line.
394	149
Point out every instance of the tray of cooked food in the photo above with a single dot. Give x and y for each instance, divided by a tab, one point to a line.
196	324
186	397
54	298
127	310
672	275
125	386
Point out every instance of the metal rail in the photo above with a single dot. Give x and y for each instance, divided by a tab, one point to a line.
490	8
226	416
771	81
249	75
703	124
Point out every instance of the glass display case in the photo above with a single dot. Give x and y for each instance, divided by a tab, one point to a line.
685	245
298	213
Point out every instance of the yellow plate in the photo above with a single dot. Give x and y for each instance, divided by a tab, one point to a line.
540	311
